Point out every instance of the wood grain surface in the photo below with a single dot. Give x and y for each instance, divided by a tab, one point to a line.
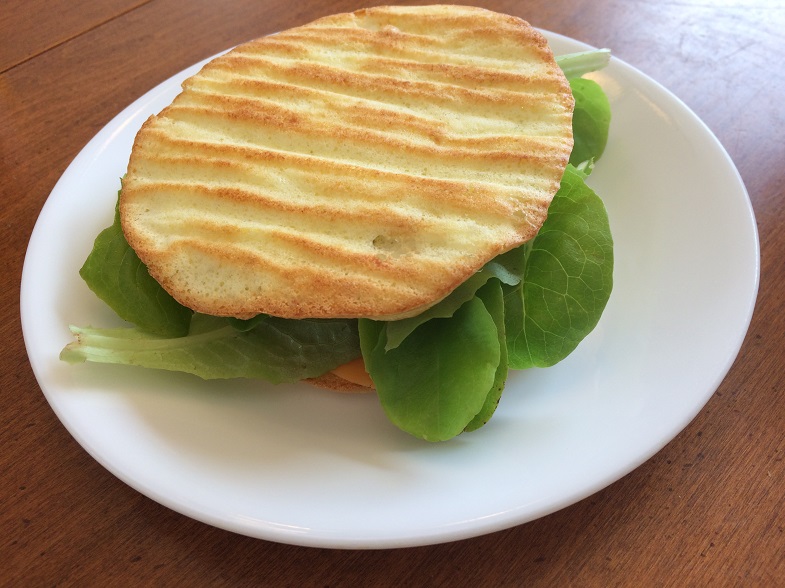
707	510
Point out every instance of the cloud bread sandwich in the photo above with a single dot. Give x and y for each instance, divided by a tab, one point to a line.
369	182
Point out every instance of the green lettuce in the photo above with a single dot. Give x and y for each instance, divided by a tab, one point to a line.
118	277
437	380
567	277
492	297
575	65
398	330
276	350
590	121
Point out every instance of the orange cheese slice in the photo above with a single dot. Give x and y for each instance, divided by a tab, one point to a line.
354	372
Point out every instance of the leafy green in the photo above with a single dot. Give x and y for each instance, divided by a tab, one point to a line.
398	330
276	350
493	298
118	277
567	278
574	65
590	121
437	380
247	324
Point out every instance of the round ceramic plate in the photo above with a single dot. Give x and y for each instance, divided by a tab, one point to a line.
299	465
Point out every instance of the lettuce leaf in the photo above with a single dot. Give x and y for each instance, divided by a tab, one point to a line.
118	277
574	65
276	350
492	296
398	330
567	278
590	121
437	380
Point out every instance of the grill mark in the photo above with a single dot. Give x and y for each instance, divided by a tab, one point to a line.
506	118
351	82
463	75
294	133
361	116
324	178
360	113
390	43
355	287
289	252
478	21
261	155
408	227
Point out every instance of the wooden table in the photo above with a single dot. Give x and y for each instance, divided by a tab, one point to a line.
707	510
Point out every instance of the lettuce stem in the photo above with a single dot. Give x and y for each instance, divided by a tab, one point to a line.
574	65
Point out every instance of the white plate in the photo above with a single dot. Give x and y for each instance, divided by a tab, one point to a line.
298	465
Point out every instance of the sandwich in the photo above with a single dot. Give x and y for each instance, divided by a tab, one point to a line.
391	199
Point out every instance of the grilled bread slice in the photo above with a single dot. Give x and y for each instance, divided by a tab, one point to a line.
363	165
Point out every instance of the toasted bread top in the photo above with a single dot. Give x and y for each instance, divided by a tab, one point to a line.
362	165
